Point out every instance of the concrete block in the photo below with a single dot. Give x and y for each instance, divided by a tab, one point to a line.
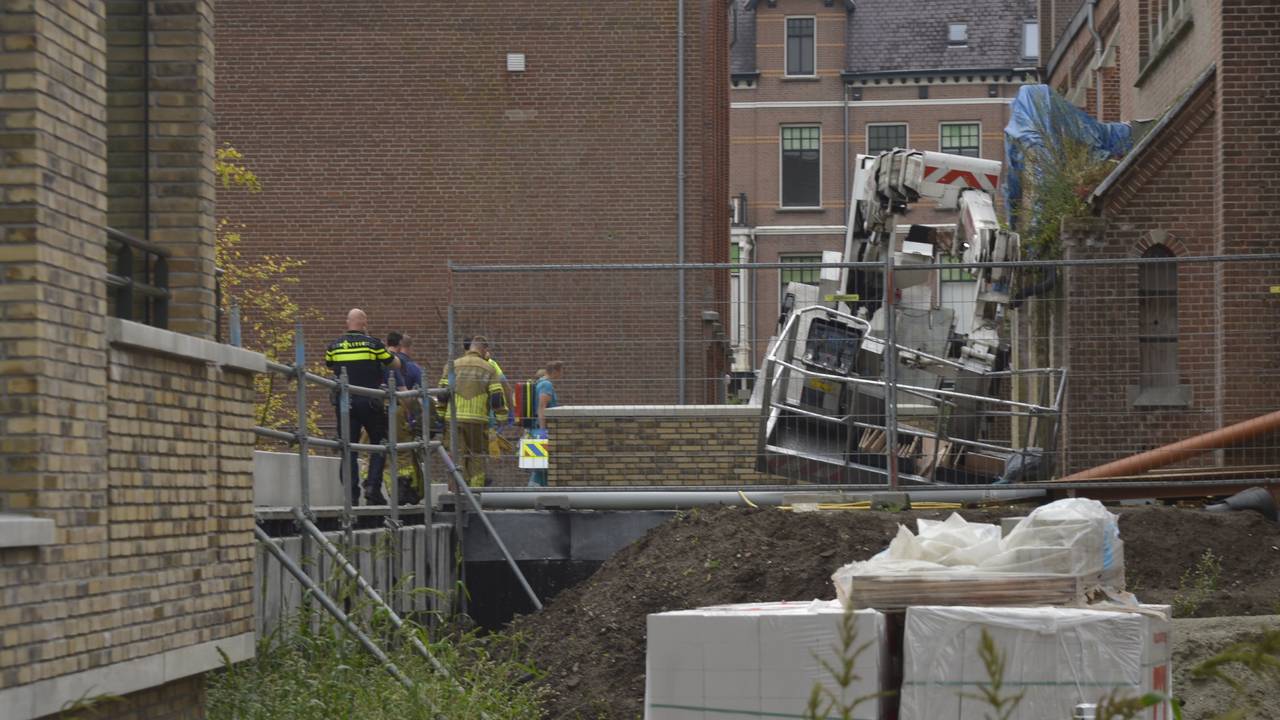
276	481
25	531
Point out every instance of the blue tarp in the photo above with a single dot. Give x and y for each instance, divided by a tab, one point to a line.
1039	119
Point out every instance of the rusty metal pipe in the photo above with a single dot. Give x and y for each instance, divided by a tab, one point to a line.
1181	450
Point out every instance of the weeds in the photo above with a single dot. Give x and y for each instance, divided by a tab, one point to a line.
1115	707
309	668
826	703
1198	584
1259	658
992	692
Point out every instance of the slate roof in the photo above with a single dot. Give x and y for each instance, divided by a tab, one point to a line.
742	37
905	35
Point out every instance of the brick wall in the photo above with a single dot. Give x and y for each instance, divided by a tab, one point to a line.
148	490
53	408
160	142
1248	100
650	446
391	139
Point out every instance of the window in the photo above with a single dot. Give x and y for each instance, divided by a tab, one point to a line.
955	274
808	275
801	167
800	46
882	138
735	255
1165	18
1158	321
961	139
957	34
1031	40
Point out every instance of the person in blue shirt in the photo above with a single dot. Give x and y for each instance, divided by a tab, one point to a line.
544	394
409	375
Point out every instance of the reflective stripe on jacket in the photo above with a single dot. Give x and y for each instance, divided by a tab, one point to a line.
477	389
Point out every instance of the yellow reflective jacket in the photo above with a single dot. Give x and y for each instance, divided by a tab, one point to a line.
477	389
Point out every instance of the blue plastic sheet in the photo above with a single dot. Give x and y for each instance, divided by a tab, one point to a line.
1039	119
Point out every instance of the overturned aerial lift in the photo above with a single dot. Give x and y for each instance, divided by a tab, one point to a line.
826	414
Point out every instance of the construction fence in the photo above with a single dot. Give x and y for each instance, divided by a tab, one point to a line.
752	374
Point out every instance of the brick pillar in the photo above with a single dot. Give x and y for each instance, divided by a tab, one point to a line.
180	150
1248	101
53	360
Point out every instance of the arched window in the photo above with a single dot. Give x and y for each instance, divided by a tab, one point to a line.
1158	320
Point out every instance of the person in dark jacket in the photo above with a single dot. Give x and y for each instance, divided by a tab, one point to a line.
366	361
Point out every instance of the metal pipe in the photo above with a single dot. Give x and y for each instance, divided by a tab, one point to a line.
890	356
332	444
310	529
679	499
348	467
303	438
393	456
460	511
488	526
680	291
1181	450
428	564
333	609
872	265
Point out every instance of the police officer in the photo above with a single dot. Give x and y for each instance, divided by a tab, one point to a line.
366	361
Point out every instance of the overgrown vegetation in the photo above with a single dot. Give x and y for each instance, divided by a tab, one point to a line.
310	668
1198	584
259	286
1060	174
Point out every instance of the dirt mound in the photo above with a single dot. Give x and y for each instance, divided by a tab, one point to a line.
591	638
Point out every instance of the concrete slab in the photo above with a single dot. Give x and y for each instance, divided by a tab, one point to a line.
18	530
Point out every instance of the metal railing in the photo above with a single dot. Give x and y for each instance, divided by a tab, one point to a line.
343	391
138	279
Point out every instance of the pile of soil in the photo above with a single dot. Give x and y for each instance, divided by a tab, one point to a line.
590	640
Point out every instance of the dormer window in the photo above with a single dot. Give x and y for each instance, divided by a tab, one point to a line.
957	34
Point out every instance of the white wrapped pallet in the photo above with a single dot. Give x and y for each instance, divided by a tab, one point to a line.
1056	657
1060	554
756	660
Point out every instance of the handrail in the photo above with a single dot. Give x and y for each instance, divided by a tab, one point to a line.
152	286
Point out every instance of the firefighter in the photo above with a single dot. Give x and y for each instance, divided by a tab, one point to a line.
366	360
477	390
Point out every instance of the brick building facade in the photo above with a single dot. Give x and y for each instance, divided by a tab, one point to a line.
817	82
396	137
126	546
1199	80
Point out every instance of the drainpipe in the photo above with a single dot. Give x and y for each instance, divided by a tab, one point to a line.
844	160
1097	58
680	291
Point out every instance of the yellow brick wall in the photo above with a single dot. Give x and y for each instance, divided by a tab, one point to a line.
655	450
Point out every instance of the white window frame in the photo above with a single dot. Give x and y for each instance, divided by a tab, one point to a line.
950	42
960	122
1165	19
1034	37
782	258
906	136
786	40
782	177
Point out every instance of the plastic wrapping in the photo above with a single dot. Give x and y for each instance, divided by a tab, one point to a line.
757	660
1057	657
1039	121
1055	555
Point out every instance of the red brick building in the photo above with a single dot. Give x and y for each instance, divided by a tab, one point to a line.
1163	353
395	137
817	82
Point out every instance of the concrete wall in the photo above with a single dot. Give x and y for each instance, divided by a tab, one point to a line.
655	445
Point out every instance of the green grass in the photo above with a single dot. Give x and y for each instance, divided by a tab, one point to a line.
314	675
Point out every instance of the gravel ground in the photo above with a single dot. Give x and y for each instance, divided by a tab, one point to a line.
1198	639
